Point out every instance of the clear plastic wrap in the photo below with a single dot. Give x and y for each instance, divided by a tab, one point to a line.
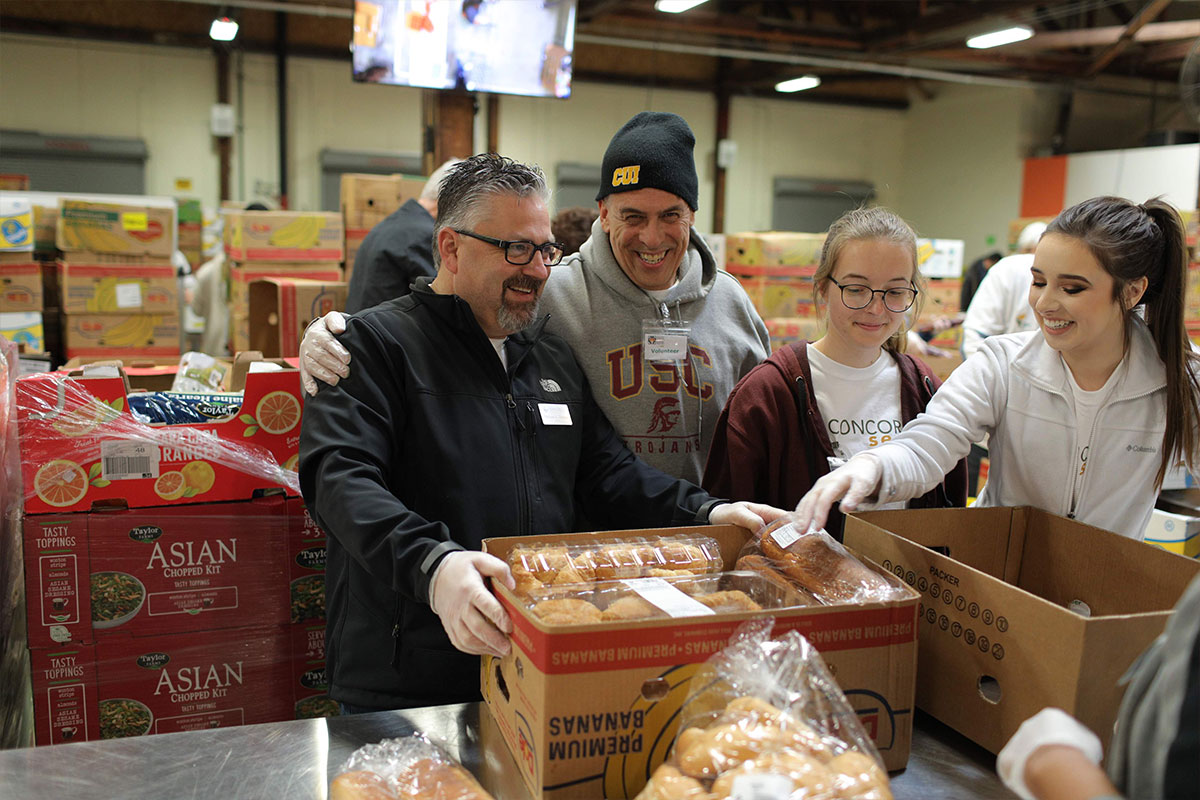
819	565
411	768
764	718
541	566
635	599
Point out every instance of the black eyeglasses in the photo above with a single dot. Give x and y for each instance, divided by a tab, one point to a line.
521	253
856	296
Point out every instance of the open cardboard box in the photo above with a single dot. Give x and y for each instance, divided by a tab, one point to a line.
997	641
592	710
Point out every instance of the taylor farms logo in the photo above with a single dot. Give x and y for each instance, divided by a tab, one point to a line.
153	660
311	558
145	533
314	679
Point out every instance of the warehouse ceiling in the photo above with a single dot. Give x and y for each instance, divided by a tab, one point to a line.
870	53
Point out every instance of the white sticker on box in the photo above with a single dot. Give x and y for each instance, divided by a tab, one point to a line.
555	413
785	536
125	460
761	786
663	595
129	295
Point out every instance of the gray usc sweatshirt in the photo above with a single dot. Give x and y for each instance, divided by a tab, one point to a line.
665	412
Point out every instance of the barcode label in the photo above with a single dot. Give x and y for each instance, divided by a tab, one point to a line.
659	593
785	536
128	460
762	786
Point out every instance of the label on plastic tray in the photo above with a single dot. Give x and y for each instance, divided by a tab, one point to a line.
761	786
123	460
659	593
129	295
785	537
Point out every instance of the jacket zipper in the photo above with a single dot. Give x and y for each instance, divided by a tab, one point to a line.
534	454
522	485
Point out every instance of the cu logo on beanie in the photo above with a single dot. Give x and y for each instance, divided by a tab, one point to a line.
626	176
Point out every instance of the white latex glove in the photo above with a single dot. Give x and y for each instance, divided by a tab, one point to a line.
473	618
851	483
321	356
1047	727
751	516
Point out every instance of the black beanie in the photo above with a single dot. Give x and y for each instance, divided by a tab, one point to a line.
651	151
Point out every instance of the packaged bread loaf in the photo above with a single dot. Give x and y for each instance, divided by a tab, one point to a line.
537	567
409	768
822	566
764	718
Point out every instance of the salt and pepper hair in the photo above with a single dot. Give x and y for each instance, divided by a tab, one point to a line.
470	184
432	186
1148	240
870	224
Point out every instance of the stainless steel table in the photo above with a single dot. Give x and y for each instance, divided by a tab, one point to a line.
296	760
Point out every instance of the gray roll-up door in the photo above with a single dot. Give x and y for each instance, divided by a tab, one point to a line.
809	205
334	163
577	185
87	164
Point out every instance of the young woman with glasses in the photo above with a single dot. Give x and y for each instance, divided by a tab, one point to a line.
1084	415
811	406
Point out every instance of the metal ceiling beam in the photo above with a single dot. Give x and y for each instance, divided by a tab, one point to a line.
725	25
1148	13
1094	37
270	5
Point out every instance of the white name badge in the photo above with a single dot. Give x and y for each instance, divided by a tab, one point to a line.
554	413
665	341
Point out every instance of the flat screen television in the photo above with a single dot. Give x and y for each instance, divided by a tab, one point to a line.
502	46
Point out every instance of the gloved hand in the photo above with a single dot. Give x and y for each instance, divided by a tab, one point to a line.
752	516
473	618
321	356
852	482
1050	726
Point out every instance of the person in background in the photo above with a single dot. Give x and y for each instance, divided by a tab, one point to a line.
572	226
974	276
1084	415
1155	751
662	333
1001	303
813	405
398	250
210	297
463	418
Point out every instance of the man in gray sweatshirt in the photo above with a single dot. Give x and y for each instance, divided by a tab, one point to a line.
662	333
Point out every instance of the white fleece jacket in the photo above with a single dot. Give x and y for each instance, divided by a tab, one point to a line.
1016	389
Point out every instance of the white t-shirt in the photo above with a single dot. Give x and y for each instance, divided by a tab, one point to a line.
499	345
1087	403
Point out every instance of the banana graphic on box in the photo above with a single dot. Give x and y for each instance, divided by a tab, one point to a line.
105	296
301	233
102	240
134	330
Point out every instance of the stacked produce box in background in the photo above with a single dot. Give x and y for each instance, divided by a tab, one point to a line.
305	245
21	319
173	580
367	200
115	282
191	223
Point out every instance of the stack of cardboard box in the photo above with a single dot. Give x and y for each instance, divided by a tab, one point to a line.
367	200
191	223
114	282
170	583
287	245
21	294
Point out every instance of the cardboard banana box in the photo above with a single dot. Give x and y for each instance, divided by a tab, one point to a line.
120	334
115	228
284	236
112	289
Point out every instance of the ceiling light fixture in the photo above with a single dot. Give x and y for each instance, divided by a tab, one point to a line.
1018	33
223	29
798	84
675	6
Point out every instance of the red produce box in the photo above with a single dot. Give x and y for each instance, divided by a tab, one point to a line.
306	546
310	684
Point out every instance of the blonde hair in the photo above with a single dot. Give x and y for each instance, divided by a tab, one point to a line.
870	224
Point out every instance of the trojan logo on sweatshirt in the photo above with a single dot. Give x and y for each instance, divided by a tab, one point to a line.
629	374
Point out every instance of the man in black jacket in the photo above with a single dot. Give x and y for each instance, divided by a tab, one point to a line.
461	420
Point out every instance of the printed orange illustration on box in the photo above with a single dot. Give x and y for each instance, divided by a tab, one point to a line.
155	571
109	288
81	445
284	236
135	686
115	228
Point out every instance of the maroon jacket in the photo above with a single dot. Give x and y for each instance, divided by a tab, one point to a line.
771	445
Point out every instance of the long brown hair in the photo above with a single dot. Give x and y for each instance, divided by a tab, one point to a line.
1133	241
862	224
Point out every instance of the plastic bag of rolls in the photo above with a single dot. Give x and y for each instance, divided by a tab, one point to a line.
817	565
411	768
764	718
680	595
545	565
